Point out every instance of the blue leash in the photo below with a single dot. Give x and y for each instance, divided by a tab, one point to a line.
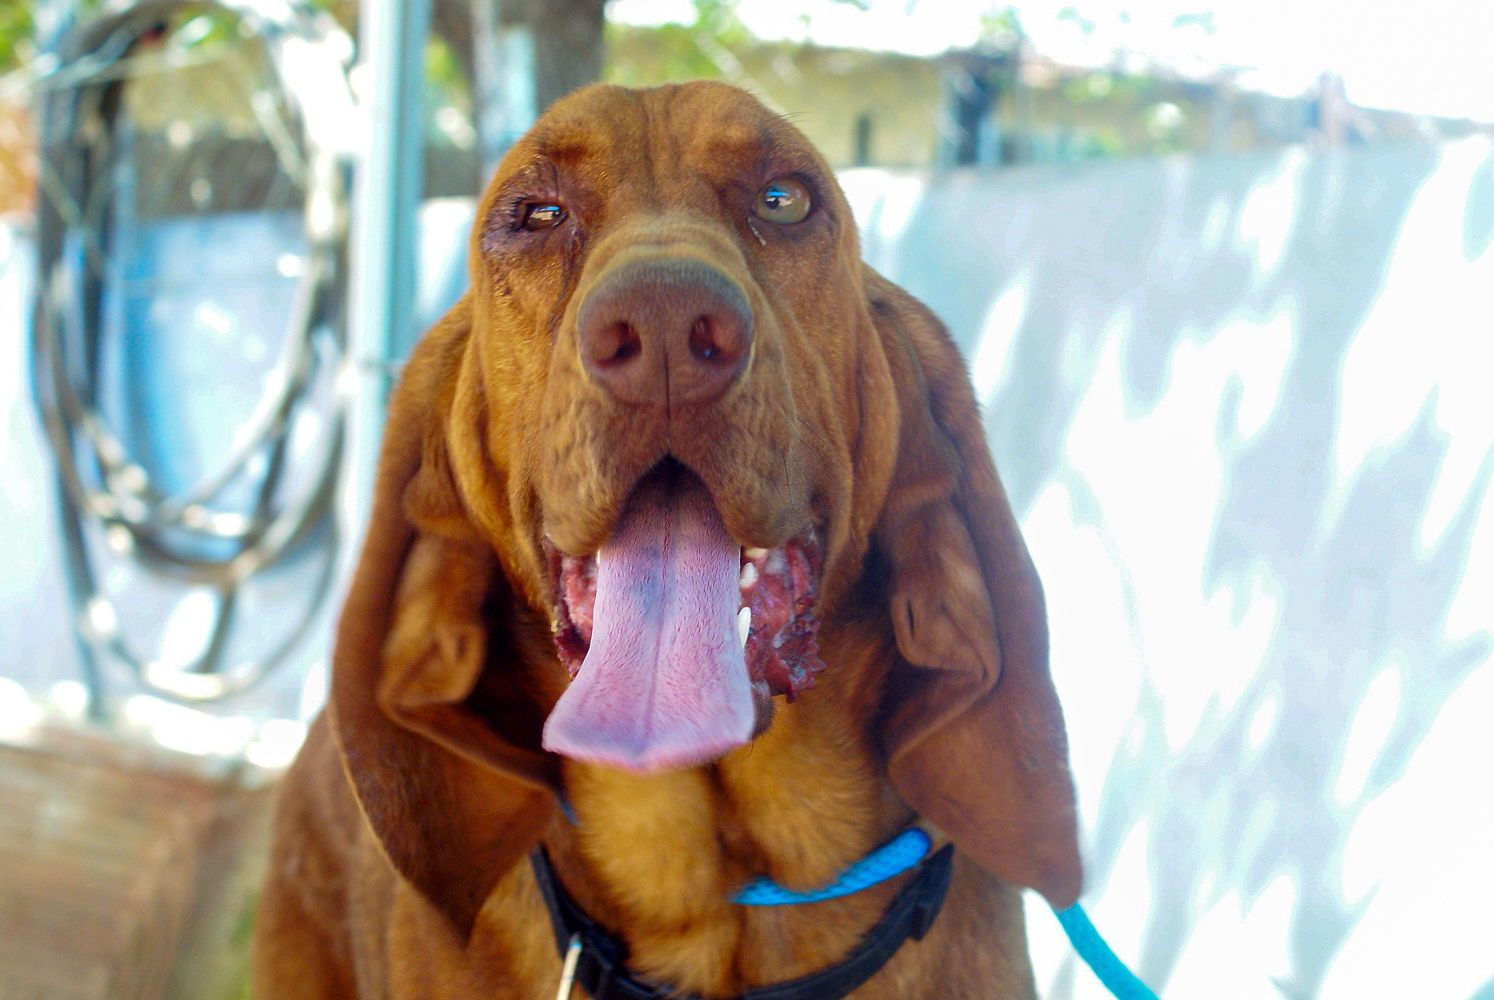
1112	972
892	858
905	851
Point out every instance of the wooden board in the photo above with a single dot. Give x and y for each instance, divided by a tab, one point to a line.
126	872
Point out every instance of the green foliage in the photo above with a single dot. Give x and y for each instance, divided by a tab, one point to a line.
691	51
207	29
445	78
1001	29
1072	15
16	31
682	56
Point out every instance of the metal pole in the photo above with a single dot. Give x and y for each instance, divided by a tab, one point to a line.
384	228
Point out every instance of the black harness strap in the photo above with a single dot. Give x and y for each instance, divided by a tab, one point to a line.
602	966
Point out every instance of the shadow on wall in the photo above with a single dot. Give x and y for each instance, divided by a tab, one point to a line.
1241	405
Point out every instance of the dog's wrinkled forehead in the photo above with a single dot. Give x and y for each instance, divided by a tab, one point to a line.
670	146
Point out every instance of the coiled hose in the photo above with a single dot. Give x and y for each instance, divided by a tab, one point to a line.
268	500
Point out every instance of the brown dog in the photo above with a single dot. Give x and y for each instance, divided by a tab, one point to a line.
674	408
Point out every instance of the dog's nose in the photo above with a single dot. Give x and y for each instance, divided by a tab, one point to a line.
666	331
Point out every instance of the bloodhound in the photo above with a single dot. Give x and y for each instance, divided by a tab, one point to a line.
688	567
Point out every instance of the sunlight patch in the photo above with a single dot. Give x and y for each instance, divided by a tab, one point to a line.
998	335
1374	721
1268	213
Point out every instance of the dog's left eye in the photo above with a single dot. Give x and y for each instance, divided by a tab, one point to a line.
785	200
541	215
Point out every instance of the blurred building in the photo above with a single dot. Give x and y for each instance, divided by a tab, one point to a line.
995	108
862	108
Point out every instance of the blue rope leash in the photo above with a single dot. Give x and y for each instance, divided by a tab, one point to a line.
1112	972
896	856
904	852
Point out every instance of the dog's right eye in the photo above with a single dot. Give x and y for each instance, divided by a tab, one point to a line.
536	215
785	201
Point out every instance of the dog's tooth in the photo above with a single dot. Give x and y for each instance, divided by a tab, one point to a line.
744	625
754	553
748	579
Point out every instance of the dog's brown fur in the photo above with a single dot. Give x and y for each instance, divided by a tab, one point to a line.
397	868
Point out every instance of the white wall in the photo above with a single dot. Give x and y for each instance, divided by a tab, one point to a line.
1243	408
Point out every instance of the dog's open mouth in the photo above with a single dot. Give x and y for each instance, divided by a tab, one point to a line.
675	636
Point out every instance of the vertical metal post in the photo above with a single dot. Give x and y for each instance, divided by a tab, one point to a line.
384	229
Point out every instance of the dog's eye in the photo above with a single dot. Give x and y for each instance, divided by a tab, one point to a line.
541	215
785	201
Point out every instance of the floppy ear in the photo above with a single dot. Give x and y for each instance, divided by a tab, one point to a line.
976	739
431	726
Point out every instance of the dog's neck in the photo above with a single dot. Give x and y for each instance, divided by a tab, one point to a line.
658	858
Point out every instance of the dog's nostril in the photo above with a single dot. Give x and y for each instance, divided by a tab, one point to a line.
626	343
703	339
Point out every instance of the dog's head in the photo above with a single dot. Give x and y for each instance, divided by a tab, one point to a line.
677	424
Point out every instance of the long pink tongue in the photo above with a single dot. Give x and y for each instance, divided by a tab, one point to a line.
664	683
